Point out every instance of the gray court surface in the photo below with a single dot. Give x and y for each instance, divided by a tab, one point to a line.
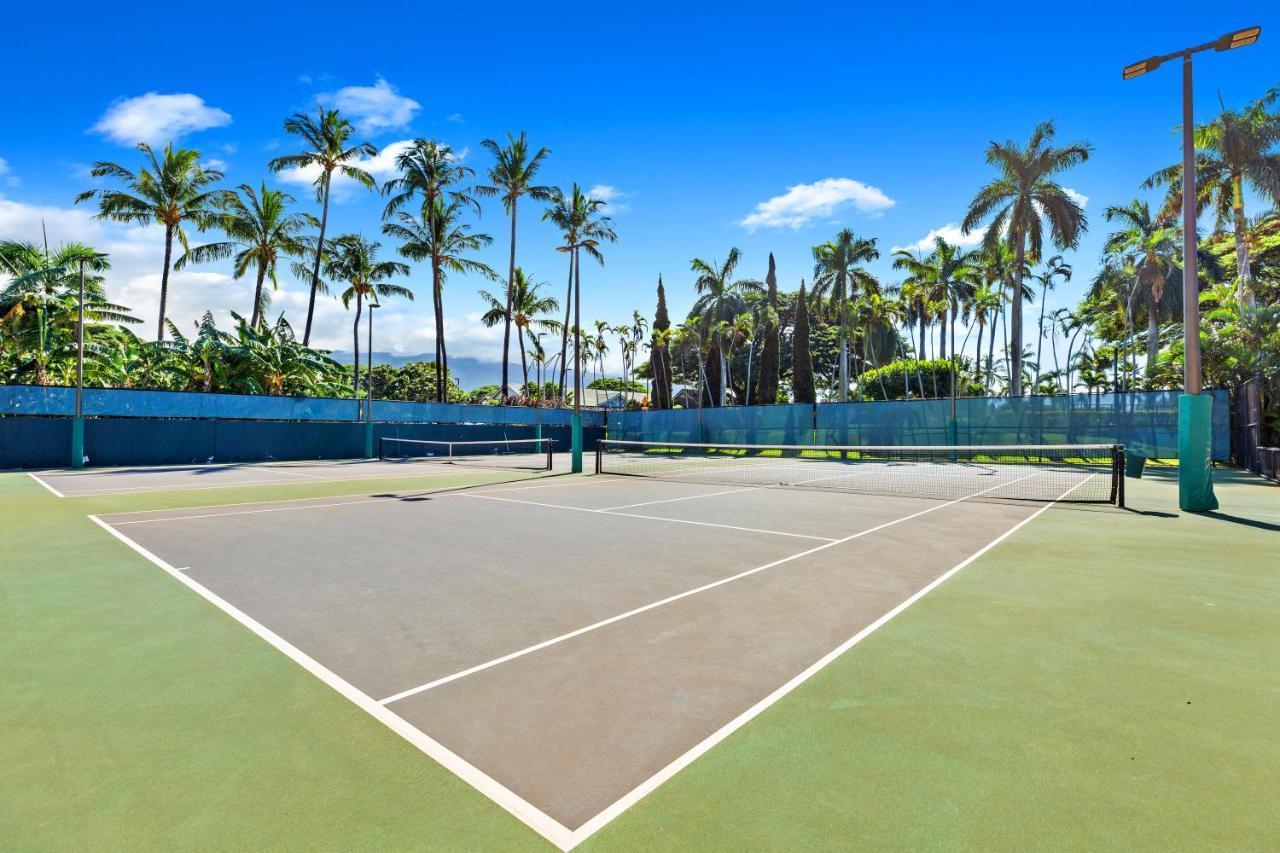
571	637
112	481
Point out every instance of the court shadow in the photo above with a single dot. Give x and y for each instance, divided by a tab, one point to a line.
1151	512
1247	522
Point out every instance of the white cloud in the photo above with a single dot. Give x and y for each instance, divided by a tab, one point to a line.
215	163
374	108
454	118
382	166
803	203
156	118
612	196
1078	197
10	179
951	233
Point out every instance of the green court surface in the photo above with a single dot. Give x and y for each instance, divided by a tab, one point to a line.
1100	679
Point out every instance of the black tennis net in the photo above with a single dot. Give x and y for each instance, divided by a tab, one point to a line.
1090	473
524	453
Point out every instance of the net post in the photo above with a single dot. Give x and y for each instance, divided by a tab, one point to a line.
599	457
550	444
1118	474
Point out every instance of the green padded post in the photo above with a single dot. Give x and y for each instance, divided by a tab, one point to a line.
953	433
77	442
577	443
368	439
1195	453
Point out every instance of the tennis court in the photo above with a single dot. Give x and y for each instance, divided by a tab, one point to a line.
395	461
566	645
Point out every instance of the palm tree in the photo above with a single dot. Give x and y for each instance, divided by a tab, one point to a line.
1018	202
947	274
261	232
982	306
837	273
326	135
584	228
439	236
1235	150
512	176
527	306
1155	248
170	190
353	260
877	315
431	170
720	299
1054	268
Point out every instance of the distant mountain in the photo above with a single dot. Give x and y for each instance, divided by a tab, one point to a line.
470	373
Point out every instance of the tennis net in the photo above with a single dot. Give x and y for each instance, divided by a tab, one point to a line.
523	453
1091	473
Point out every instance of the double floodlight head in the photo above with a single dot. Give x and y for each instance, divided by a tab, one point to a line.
1230	41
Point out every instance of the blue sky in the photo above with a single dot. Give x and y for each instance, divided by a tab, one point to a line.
708	126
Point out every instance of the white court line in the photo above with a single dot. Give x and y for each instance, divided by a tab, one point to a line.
404	694
685	498
640	791
649	517
46	485
529	814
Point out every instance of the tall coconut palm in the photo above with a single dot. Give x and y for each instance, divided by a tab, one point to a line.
720	300
1055	268
1018	203
948	274
262	231
527	307
838	275
1238	148
1155	249
981	308
511	176
584	227
327	135
438	235
430	170
170	190
352	260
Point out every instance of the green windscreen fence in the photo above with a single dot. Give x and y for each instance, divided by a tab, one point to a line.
1146	422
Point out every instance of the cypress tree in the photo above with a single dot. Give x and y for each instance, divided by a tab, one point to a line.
767	387
660	360
802	366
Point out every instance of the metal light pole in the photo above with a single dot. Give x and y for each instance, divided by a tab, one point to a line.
368	378
77	423
1195	410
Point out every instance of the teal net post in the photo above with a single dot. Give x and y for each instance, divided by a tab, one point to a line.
953	432
77	442
1195	453
577	443
368	439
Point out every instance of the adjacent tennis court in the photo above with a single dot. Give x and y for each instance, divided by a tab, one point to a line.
645	618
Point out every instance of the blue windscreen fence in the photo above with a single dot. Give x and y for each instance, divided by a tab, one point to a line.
126	403
1146	422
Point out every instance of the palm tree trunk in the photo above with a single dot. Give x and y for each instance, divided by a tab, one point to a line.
991	350
442	355
355	335
1044	297
724	375
1153	336
1015	321
164	282
1246	296
257	296
524	364
564	331
577	332
315	270
978	351
506	319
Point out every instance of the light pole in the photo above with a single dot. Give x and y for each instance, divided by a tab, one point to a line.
368	378
541	356
1195	410
77	423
